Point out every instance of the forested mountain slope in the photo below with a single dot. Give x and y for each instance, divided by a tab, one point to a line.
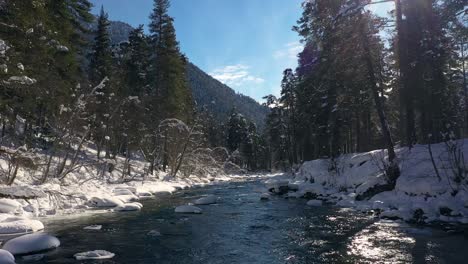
209	93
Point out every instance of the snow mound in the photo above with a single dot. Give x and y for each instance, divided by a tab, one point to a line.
9	206
93	227
96	254
188	209
104	202
314	203
6	257
129	207
31	243
210	199
19	225
145	195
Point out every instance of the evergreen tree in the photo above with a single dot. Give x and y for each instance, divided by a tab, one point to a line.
169	90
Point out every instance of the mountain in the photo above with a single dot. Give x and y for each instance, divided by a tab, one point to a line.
209	93
220	99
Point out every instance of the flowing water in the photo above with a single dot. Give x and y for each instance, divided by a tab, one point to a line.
243	229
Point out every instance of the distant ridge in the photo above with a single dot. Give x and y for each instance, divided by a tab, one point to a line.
209	93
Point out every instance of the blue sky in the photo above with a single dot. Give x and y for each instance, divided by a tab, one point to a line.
244	43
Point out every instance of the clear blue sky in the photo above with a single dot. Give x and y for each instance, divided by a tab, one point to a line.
243	43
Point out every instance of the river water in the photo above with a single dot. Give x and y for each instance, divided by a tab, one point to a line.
243	229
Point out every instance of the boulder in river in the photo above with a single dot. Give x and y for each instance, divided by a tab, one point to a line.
32	243
6	257
210	199
19	225
95	254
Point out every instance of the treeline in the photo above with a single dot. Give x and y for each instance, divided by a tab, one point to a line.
60	92
366	82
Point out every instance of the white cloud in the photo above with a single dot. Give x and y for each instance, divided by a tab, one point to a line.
289	51
235	75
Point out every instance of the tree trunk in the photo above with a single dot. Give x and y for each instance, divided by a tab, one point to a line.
393	171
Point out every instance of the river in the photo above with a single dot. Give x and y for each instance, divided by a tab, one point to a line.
243	229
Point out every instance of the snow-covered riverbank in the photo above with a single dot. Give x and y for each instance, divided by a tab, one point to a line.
428	190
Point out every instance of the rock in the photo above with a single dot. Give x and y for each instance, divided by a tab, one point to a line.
96	254
132	189
93	227
145	195
122	192
315	203
210	199
31	243
35	257
9	206
127	198
265	196
6	257
18	225
188	209
104	202
154	233
129	207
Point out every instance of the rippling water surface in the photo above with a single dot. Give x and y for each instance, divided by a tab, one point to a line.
243	229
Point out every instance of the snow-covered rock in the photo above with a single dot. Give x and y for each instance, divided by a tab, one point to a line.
128	207
154	233
93	227
25	80
62	48
188	209
314	203
265	196
105	202
145	195
9	206
96	254
31	243
210	199
6	257
19	225
122	192
23	191
127	198
129	188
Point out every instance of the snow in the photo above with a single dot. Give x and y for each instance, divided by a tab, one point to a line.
418	190
25	80
210	199
93	227
105	202
31	243
9	206
18	225
96	254
129	207
6	257
188	209
314	203
127	198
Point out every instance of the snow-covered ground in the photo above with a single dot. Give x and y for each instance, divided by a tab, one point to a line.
85	190
428	190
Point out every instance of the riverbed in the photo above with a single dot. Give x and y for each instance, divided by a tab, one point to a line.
243	229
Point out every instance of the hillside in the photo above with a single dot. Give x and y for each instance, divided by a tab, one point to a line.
208	92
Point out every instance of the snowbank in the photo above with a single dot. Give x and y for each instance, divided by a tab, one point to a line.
9	206
420	194
33	243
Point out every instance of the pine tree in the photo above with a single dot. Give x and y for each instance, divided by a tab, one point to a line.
100	68
170	92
